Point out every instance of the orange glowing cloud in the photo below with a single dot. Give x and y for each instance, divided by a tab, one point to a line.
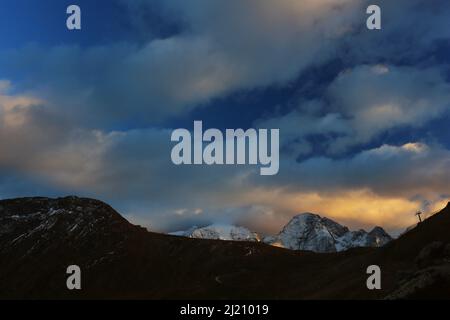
354	208
13	108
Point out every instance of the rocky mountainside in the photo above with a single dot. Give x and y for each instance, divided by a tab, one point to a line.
219	232
41	237
34	226
309	231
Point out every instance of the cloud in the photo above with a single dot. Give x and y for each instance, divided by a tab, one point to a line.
353	208
132	170
379	98
411	29
123	82
363	102
267	43
406	170
37	142
381	186
70	109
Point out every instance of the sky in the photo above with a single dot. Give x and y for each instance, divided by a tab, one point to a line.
363	114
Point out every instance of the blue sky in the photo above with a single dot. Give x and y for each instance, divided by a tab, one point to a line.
363	115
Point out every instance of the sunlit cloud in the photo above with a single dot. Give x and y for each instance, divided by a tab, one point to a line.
100	125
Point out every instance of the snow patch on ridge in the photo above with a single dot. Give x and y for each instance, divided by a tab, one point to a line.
219	232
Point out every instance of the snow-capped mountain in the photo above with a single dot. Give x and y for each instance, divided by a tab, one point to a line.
305	231
219	232
309	231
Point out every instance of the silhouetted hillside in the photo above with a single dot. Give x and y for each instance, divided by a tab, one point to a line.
40	237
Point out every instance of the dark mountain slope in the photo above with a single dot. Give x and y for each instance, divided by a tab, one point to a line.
410	243
40	237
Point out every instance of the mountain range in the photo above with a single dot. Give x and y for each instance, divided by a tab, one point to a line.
219	232
306	231
41	237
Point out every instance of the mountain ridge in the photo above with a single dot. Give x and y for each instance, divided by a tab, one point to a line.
219	232
309	231
119	260
305	231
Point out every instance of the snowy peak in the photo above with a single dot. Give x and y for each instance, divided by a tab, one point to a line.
380	236
309	231
219	232
306	231
312	232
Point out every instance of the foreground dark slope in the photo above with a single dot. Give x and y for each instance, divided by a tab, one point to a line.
40	237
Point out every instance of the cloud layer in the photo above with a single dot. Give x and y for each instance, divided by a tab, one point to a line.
96	120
